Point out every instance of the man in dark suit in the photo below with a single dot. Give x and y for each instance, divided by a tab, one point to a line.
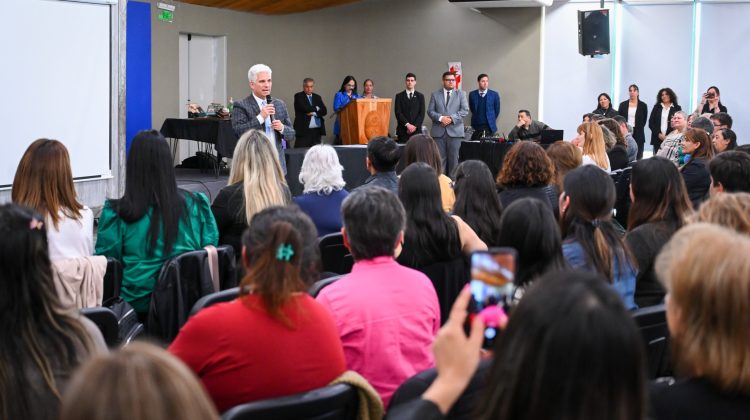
447	109
485	108
309	111
254	112
409	110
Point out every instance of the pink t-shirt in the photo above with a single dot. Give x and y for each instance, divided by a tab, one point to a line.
387	316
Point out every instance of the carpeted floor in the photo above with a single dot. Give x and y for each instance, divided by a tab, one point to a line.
195	180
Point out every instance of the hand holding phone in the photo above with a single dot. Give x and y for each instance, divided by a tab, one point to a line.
492	275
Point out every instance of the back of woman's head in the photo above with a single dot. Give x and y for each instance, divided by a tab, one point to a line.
281	256
570	351
261	174
703	140
731	210
614	128
140	381
707	276
587	219
419	190
659	193
44	181
525	165
422	148
321	170
37	335
477	202
529	226
150	184
593	143
565	157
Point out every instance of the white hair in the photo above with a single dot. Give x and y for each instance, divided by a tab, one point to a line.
321	170
252	73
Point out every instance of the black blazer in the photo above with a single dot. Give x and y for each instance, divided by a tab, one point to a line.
654	122
697	180
606	113
409	111
302	107
641	115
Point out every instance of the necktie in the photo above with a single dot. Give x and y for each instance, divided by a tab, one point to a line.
482	94
269	129
447	97
410	96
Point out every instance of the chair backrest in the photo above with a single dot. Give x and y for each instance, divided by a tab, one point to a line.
340	402
315	289
652	322
622	188
448	278
415	386
214	298
106	321
112	281
334	256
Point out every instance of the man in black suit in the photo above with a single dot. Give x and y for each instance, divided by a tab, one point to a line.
309	111
409	110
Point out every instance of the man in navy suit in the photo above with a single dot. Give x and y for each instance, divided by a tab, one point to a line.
309	110
447	110
485	108
254	112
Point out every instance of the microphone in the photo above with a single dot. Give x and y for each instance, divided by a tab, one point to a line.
269	101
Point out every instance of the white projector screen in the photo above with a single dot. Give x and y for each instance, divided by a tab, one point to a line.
56	82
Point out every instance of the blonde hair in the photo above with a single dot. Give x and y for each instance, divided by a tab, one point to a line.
707	275
321	170
731	210
256	164
140	381
593	144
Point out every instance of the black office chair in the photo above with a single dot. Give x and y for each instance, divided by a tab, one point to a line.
621	179
334	402
315	289
415	386
106	321
335	257
214	298
112	281
652	322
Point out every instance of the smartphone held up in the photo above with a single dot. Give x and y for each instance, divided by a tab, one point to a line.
492	275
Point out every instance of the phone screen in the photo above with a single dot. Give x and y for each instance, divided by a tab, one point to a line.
492	274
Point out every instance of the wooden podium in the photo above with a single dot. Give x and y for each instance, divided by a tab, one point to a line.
363	119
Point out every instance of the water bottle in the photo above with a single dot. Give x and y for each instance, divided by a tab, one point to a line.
230	104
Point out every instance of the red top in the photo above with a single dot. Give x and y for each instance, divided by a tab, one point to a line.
241	354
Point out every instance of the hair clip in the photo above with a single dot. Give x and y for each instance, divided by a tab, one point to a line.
36	224
595	223
285	252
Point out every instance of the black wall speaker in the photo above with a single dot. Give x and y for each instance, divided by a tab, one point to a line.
593	32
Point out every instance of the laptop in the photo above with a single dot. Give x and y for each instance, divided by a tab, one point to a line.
550	136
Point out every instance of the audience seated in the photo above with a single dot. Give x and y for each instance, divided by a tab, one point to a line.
532	231
705	270
731	210
44	182
422	148
383	155
153	221
730	172
41	343
660	205
570	350
704	123
724	139
387	315
618	153
527	172
590	241
721	120
274	340
591	141
627	133
256	181
566	157
698	151
323	190
670	146
431	235
140	381
477	203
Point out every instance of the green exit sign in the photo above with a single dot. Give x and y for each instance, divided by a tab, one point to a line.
166	16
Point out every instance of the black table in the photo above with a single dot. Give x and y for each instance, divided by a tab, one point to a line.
206	130
491	153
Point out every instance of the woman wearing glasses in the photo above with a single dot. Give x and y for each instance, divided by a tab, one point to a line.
347	92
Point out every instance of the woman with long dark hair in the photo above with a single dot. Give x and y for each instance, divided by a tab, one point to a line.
590	241
476	201
153	221
710	102
234	347
635	111
431	235
422	148
696	145
44	182
604	106
40	342
346	93
660	121
660	206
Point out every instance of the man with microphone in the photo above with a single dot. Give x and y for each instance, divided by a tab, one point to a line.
261	112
